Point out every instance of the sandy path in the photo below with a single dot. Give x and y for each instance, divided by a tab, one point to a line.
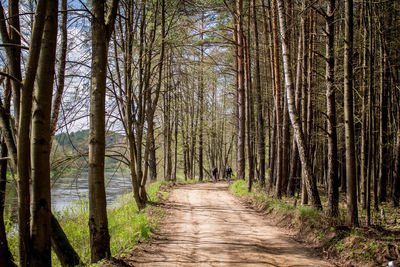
207	226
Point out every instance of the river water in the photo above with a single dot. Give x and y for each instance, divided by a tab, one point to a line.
70	189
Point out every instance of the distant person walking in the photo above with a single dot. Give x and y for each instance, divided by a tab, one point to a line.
214	174
228	172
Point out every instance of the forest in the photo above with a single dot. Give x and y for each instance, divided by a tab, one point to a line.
301	98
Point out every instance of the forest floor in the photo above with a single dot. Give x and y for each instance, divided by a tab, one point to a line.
205	225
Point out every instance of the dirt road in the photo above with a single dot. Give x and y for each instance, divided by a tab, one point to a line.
207	226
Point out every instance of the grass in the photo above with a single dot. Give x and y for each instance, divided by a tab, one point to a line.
126	224
239	188
370	245
267	203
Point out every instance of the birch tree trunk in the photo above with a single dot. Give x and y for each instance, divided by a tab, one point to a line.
294	117
294	163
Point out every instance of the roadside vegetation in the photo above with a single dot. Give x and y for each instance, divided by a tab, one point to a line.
362	246
127	225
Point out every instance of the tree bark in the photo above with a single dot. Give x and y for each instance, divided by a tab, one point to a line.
396	181
259	95
6	258
333	187
371	139
59	243
13	52
61	69
40	143
249	106
241	93
364	127
24	119
201	97
383	121
277	86
294	117
295	152
304	98
352	213
98	223
152	159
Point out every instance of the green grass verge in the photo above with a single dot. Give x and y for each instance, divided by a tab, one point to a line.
366	246
267	203
126	225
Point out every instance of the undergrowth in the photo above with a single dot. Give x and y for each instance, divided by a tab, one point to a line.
371	245
265	202
126	224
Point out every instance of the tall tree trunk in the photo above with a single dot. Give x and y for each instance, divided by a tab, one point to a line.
295	152
98	224
23	158
6	258
305	82
11	35
61	69
309	75
305	160
383	120
259	94
273	151
396	181
268	40
170	122
277	85
25	115
153	165
241	93
285	147
201	97
152	159
235	38
364	127
333	187
352	213
176	143
40	143
371	127
166	133
249	106
286	119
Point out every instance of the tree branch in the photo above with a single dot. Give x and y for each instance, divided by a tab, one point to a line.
10	76
15	45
